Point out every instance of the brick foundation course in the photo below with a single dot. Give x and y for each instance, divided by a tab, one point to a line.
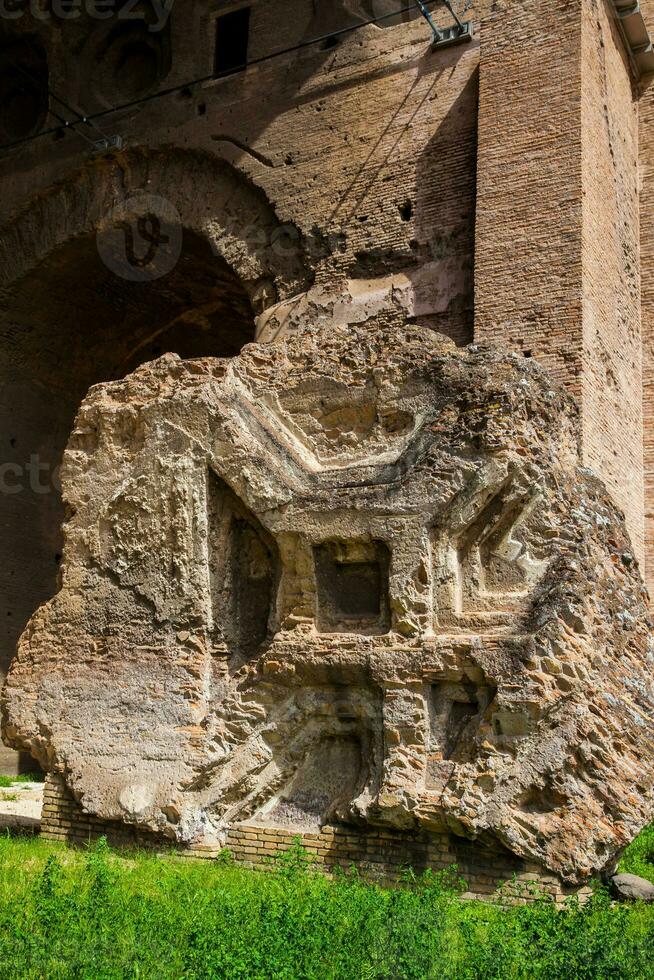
379	855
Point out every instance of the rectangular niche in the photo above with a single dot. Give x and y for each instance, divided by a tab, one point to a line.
244	570
457	711
352	587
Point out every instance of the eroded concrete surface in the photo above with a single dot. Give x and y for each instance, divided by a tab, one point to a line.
356	576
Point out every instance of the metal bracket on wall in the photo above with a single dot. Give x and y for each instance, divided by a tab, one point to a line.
110	143
636	35
458	33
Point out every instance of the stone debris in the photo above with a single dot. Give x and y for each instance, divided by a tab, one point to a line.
356	577
631	888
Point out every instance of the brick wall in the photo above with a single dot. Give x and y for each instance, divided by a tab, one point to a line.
380	855
62	819
557	264
371	143
611	365
646	129
527	251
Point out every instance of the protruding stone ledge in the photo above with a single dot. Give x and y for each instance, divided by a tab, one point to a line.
636	36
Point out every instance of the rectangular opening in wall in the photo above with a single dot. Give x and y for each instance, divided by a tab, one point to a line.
352	586
232	35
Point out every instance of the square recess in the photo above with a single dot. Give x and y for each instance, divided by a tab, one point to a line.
352	586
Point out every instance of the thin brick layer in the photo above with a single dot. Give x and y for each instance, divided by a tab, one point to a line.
380	855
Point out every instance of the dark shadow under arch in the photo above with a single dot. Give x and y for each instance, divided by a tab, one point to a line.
66	325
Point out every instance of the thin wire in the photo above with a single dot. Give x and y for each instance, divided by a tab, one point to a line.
82	119
69	108
55	115
209	78
67	124
453	13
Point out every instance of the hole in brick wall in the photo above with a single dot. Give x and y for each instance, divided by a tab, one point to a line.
352	586
406	210
456	712
232	38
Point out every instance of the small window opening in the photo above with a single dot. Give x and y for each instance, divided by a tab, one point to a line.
232	36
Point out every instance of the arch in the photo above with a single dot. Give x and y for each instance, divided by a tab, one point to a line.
213	199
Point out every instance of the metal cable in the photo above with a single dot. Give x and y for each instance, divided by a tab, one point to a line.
90	119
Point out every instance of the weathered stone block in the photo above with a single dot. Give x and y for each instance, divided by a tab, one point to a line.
183	680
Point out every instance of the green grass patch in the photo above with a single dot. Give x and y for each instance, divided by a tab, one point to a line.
7	781
95	914
638	859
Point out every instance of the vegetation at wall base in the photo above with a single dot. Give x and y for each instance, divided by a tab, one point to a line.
8	781
99	915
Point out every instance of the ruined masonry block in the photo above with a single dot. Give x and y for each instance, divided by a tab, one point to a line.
353	580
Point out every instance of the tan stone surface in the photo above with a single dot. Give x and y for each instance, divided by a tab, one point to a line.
646	174
355	576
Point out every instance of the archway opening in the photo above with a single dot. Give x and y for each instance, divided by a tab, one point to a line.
70	323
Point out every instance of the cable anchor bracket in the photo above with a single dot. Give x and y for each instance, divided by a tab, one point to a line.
459	33
108	143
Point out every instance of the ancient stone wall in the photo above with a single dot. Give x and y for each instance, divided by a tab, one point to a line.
646	138
337	184
611	367
353	161
354	578
558	195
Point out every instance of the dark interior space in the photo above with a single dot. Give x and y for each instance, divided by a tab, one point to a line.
352	585
69	324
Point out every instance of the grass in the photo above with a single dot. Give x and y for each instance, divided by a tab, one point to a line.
7	781
94	914
638	859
